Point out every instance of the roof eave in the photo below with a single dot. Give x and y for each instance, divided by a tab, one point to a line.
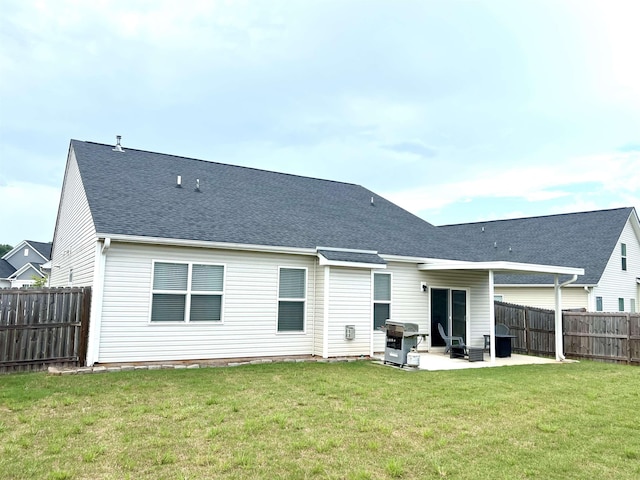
181	242
503	267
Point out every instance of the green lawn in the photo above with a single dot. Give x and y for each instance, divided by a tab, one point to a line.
324	421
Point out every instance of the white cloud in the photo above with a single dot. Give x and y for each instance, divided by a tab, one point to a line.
618	173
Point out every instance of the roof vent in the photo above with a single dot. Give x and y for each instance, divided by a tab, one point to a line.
495	244
197	189
372	204
118	147
179	181
482	229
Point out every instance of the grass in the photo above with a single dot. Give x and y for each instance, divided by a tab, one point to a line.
353	421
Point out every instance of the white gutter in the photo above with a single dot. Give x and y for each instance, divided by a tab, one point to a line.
558	317
500	266
206	244
341	263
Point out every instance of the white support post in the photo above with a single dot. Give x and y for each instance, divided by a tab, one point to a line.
325	313
558	319
492	319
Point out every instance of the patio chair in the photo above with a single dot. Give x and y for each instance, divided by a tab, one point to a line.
501	329
451	341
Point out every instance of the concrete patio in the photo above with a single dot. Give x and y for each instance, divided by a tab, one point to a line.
434	361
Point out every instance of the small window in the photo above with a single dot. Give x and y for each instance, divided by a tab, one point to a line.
381	299
498	298
621	304
291	299
623	253
598	304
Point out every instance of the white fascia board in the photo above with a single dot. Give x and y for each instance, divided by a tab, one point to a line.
506	267
406	259
23	269
336	263
15	249
37	251
179	242
349	250
542	285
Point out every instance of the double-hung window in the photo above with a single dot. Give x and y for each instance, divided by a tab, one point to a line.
187	292
292	291
381	299
623	255
598	304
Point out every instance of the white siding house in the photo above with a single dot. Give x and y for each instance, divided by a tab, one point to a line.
618	286
251	263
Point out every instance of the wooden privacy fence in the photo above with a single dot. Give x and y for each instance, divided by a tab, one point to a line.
41	327
612	337
602	336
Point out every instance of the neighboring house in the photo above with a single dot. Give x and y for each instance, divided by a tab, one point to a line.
19	266
606	243
191	259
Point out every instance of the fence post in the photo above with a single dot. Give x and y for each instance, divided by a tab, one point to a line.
526	330
628	338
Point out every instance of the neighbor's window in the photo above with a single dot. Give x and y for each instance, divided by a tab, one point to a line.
381	299
598	304
187	292
292	291
498	298
621	304
623	253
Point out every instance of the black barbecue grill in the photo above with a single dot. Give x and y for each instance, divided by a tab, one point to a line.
401	337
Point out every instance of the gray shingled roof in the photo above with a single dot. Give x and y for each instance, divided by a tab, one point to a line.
6	269
584	240
134	193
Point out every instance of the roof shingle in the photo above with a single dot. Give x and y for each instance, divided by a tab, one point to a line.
134	193
584	240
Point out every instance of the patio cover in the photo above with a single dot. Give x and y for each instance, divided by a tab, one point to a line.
514	268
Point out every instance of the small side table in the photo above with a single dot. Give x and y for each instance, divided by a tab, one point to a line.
476	354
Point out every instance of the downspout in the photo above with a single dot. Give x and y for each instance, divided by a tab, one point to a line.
558	319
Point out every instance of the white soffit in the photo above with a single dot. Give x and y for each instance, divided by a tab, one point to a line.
502	267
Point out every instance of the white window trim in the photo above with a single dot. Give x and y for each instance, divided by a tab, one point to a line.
374	301
188	292
303	300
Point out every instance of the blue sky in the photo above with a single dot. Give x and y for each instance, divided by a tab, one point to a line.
458	111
